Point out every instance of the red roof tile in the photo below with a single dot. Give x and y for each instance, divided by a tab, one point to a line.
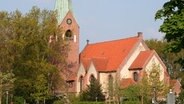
127	82
114	53
142	59
100	63
86	62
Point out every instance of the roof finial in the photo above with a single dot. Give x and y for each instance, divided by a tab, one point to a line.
87	41
140	34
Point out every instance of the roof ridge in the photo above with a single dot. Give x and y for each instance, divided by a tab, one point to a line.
113	40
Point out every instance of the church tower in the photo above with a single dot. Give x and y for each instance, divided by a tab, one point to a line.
70	30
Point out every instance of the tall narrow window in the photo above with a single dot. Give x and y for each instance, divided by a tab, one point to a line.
81	83
136	77
110	85
110	79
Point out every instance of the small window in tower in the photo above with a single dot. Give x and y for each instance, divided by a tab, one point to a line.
135	76
68	35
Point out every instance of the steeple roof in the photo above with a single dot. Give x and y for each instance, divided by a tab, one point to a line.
62	7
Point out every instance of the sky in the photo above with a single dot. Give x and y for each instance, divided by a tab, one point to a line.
103	20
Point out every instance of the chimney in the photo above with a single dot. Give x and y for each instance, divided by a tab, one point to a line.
140	34
87	41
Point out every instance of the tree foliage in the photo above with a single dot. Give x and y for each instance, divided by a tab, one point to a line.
172	13
93	91
26	51
180	98
156	82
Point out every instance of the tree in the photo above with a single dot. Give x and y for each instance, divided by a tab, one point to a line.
93	91
131	95
6	83
173	26
172	13
6	76
159	88
31	53
141	92
180	99
144	90
41	89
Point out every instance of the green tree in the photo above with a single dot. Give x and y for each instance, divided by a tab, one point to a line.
180	99
159	88
144	90
93	91
41	89
30	53
6	56
141	92
6	83
131	95
172	13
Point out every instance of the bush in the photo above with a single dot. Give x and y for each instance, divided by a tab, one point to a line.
18	100
93	92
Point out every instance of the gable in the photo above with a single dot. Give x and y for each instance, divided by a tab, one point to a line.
65	23
91	71
81	71
124	68
156	60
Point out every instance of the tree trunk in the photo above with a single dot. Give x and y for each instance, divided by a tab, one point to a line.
0	98
142	102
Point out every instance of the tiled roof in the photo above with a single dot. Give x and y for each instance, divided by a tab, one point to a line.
99	63
86	62
142	59
127	82
107	56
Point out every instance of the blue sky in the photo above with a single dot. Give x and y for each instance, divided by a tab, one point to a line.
102	20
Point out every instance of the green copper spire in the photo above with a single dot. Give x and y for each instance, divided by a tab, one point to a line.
62	7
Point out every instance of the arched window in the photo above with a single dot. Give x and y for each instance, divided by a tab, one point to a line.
69	35
81	83
135	76
91	77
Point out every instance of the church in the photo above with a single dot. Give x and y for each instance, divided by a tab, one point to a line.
124	60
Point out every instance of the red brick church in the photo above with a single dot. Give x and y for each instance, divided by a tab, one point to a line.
123	60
